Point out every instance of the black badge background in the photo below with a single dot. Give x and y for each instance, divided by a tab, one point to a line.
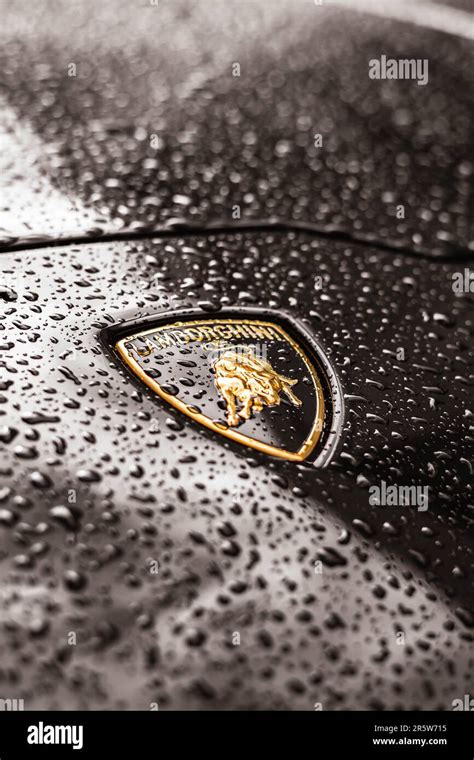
306	338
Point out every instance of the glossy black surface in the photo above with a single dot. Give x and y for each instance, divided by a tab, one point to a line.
236	534
154	126
145	561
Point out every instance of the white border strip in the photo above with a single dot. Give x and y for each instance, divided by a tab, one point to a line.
427	14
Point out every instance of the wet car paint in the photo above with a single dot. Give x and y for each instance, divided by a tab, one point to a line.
290	560
146	561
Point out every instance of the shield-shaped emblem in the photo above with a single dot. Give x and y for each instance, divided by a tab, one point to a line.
245	379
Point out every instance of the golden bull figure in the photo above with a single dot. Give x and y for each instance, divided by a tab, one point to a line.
242	377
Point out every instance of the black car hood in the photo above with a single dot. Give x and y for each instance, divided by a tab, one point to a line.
136	119
277	585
